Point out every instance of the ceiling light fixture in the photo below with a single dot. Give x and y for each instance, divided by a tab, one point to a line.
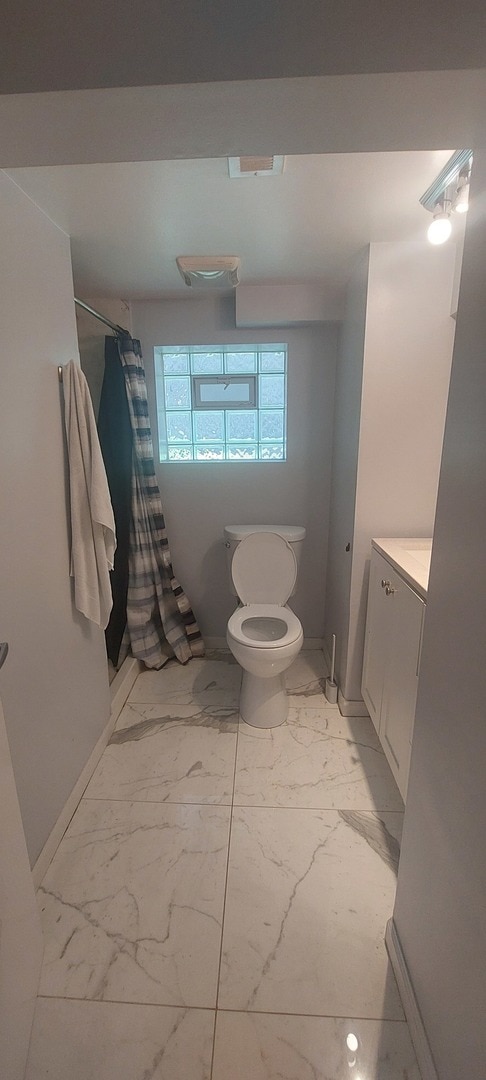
448	193
218	271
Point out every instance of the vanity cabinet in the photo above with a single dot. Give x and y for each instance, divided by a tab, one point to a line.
391	662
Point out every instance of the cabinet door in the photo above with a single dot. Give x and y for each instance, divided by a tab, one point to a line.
400	684
377	637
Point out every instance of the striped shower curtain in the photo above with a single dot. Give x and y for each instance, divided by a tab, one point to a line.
160	622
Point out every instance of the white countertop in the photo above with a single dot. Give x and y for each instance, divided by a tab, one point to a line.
410	555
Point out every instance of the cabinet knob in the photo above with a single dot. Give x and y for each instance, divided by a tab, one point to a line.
385	584
388	589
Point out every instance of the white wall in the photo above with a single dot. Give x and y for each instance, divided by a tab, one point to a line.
293	303
349	378
408	353
320	115
440	903
91	339
408	339
54	684
200	499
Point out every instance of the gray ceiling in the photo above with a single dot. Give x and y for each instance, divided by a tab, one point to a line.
56	45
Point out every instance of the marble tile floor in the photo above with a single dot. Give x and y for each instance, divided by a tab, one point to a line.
216	909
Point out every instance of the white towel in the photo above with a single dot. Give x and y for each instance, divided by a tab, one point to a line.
93	540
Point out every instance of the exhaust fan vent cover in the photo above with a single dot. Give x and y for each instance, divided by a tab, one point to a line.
239	167
214	272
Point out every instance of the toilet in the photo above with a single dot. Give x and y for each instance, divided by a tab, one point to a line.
263	633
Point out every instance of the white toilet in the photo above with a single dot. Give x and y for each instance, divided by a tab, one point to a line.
263	633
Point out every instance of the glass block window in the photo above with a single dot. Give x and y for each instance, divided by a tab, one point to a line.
221	403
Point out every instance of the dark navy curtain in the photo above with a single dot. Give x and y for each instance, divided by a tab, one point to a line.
115	434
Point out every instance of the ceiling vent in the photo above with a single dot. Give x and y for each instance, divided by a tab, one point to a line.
239	167
209	272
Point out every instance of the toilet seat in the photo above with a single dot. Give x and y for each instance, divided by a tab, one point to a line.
270	626
264	569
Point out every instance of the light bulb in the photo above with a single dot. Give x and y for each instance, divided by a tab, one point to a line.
439	229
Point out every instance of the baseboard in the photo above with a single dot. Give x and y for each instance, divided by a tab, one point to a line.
119	691
346	707
310	643
351	708
216	643
122	684
410	1007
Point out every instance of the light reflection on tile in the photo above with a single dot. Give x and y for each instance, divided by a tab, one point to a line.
252	1046
169	753
308	898
132	904
97	1040
318	759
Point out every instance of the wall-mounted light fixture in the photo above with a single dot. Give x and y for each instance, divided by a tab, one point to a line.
448	194
461	201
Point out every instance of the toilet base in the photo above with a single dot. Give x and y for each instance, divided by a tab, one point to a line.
263	702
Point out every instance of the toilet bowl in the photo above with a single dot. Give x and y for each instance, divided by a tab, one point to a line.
263	634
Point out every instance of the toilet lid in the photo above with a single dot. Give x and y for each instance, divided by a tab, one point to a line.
264	569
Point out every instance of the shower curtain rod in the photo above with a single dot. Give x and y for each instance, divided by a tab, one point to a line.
102	318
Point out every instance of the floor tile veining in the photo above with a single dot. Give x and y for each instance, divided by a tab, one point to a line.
169	753
217	907
123	918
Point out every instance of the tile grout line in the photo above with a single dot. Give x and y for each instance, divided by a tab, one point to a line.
242	806
128	1001
224	900
157	802
316	809
211	1008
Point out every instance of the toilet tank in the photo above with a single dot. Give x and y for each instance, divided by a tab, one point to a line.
293	534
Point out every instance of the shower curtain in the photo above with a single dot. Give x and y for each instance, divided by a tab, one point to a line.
159	620
115	434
